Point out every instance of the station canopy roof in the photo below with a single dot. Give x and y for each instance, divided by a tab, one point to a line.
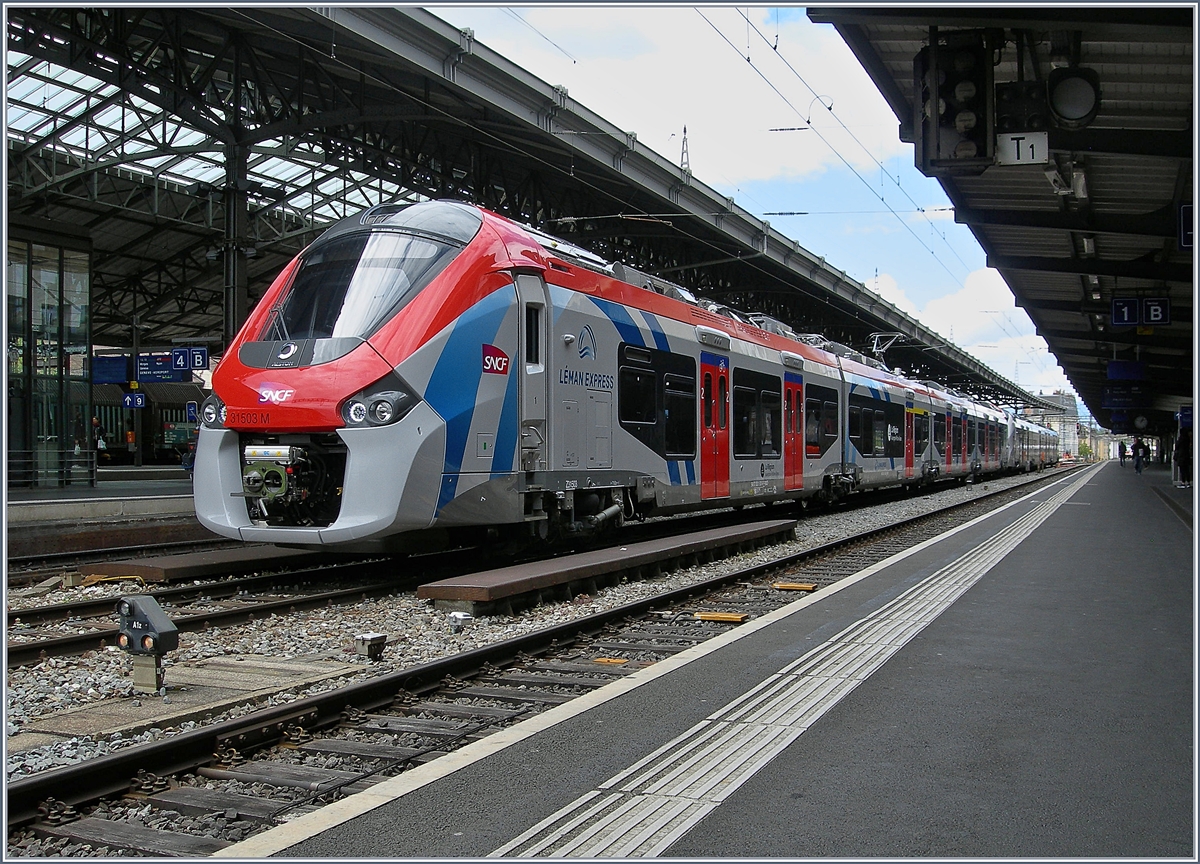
1105	217
102	142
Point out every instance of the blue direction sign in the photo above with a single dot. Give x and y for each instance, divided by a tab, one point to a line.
192	412
133	400
1126	311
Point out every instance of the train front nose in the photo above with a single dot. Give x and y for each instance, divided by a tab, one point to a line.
365	481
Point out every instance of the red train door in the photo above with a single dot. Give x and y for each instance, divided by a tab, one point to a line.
793	431
714	426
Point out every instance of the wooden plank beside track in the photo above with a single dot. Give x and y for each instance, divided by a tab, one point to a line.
506	582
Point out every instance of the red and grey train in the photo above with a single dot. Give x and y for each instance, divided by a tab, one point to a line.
435	373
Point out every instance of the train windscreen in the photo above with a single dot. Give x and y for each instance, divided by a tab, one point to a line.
350	285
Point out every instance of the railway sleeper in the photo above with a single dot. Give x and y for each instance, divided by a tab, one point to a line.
370	750
197	801
288	776
121	836
509	679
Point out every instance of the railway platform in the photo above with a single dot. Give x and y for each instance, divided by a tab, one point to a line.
1018	686
127	507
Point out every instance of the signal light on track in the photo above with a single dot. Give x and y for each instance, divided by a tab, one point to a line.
144	627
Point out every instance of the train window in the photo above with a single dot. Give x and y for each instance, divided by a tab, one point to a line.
679	415
533	330
351	285
956	434
745	421
706	397
855	425
939	432
635	401
787	413
637	355
879	427
920	433
812	430
768	427
722	402
829	421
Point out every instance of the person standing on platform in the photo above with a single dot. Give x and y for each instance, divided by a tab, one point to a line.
1183	457
1138	454
1121	452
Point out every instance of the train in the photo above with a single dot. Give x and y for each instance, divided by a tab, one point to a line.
433	374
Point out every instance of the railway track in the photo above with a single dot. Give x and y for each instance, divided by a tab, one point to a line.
294	757
227	602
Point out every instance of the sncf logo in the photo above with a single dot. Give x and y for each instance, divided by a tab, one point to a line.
495	361
278	397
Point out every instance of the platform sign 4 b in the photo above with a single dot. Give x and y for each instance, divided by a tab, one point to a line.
189	358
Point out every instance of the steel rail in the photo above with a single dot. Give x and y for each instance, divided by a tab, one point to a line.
25	653
109	775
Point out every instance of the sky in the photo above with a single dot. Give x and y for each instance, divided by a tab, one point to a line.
731	75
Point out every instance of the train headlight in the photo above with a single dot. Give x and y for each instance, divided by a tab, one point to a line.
385	402
212	412
382	411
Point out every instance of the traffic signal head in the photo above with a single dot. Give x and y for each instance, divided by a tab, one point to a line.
954	118
1021	107
144	627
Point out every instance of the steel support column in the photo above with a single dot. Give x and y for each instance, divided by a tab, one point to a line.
236	298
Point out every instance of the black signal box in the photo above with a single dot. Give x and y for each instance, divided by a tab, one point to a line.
144	627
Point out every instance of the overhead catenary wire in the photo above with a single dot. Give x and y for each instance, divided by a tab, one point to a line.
864	147
834	150
838	154
514	14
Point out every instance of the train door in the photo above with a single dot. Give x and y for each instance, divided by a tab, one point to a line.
909	438
714	426
793	431
534	382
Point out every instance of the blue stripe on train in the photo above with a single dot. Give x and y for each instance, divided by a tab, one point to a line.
621	319
660	338
506	431
454	385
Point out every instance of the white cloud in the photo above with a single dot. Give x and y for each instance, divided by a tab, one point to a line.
885	286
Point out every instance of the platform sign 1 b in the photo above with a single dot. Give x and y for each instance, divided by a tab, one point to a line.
1126	311
198	358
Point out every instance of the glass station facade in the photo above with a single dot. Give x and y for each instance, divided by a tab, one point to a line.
48	329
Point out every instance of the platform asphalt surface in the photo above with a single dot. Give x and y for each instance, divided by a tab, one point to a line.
1047	712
